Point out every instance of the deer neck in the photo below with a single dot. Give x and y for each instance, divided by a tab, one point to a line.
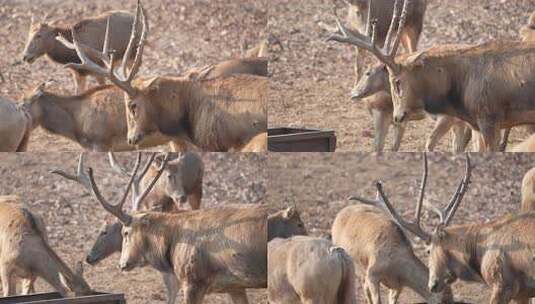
57	114
463	244
53	270
160	238
59	53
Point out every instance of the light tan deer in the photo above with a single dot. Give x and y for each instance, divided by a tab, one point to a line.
215	115
209	250
448	81
250	66
528	191
256	144
298	268
42	40
498	253
25	253
96	119
382	253
262	48
15	127
528	145
527	32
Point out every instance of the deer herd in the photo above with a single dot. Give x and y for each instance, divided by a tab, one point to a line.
478	91
219	107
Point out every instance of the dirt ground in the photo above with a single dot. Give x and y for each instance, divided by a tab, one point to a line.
313	78
319	184
73	217
183	34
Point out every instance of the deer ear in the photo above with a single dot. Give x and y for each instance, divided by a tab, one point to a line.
290	212
415	58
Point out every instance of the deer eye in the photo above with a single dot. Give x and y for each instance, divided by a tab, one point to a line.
133	108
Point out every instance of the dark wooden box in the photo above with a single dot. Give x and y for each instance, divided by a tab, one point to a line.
301	140
56	298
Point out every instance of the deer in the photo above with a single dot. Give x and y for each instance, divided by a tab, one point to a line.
215	115
381	12
285	223
382	252
250	66
528	145
262	48
95	119
447	81
43	40
497	253
182	182
25	253
528	191
297	267
527	32
190	246
15	127
374	89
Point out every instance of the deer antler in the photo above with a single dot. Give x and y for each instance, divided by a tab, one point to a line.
368	41
107	56
87	180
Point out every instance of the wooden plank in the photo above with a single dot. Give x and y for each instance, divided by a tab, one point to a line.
301	140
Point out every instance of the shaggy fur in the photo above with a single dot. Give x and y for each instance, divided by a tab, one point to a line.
215	115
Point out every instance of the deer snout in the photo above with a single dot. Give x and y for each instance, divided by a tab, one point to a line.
357	94
134	139
399	118
124	266
434	286
89	260
27	58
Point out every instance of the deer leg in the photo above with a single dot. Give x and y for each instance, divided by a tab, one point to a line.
381	125
459	141
442	126
239	297
499	295
194	199
491	136
393	295
367	292
194	294
171	287
8	284
374	288
79	81
504	139
28	285
399	130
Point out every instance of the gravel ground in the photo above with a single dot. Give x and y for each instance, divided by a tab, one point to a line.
73	217
318	185
313	78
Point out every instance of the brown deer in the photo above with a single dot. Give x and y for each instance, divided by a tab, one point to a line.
250	66
211	250
285	223
26	253
382	12
498	253
15	127
42	40
96	119
374	88
528	191
383	253
449	82
298	268
527	32
215	115
182	181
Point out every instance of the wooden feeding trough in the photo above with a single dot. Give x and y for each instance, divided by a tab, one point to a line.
56	298
301	140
